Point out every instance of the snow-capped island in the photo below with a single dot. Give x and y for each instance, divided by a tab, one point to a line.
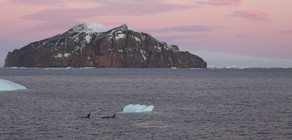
85	45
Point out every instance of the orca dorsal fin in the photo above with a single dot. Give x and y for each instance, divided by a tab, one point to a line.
88	116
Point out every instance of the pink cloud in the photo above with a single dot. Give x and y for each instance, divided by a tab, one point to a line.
179	35
251	15
220	2
39	2
111	7
180	40
244	36
286	32
59	17
186	28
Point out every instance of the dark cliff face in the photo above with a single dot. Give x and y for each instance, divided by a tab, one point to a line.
81	46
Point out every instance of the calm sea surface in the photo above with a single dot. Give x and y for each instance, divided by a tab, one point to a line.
189	104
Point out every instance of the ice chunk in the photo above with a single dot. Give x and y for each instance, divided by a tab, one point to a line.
9	86
137	108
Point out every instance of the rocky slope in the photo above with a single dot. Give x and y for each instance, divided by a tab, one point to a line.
83	46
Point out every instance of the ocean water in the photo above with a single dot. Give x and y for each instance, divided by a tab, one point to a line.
189	104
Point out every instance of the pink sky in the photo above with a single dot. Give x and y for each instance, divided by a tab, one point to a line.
252	28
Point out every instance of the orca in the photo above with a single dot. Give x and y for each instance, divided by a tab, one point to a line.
88	116
109	117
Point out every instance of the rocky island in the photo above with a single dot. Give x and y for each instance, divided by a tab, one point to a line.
120	47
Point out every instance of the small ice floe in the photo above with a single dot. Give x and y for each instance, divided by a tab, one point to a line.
137	108
6	85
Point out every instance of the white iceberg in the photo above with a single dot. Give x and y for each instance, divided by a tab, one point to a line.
137	108
10	86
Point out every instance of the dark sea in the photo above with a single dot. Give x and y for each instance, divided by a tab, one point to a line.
190	104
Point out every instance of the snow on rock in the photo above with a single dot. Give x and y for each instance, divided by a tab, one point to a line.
88	38
59	55
67	54
137	39
144	54
89	27
120	36
137	108
124	27
158	48
120	29
6	85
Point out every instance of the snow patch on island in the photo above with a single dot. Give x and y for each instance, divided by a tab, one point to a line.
137	39
144	54
88	38
59	55
120	36
90	28
6	85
